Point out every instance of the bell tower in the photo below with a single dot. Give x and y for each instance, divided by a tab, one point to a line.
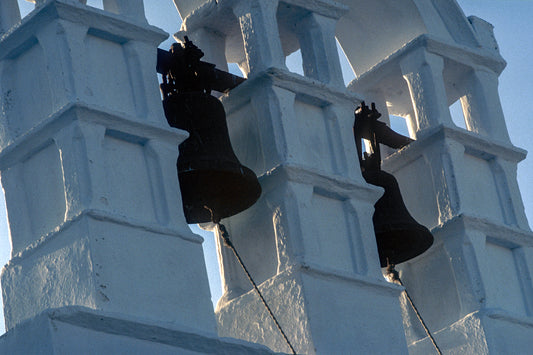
308	242
102	258
86	160
473	287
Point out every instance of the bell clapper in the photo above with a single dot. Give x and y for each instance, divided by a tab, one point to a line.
392	274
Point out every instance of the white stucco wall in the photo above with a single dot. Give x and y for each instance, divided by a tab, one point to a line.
479	199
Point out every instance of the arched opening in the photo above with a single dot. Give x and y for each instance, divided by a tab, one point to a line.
294	62
96	3
399	125
456	111
347	71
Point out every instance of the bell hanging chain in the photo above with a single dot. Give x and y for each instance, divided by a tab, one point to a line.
394	276
227	242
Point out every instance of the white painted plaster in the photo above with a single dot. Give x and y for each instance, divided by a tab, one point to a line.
89	161
296	133
102	257
79	330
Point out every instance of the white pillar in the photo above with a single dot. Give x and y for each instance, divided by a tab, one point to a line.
481	235
445	159
481	105
92	194
423	72
310	235
320	58
509	192
259	27
133	9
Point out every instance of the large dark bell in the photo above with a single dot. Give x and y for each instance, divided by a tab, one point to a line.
399	237
213	183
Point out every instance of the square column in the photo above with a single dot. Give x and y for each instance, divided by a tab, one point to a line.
89	172
132	9
423	73
310	235
316	34
480	244
259	27
481	105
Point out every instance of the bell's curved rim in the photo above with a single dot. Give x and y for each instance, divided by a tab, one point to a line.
402	243
213	194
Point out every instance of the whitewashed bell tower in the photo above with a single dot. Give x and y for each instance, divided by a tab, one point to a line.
309	239
103	261
413	59
474	287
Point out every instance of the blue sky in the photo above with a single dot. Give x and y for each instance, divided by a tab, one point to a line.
514	32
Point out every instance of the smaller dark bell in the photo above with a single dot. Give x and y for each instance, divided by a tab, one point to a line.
399	236
213	183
